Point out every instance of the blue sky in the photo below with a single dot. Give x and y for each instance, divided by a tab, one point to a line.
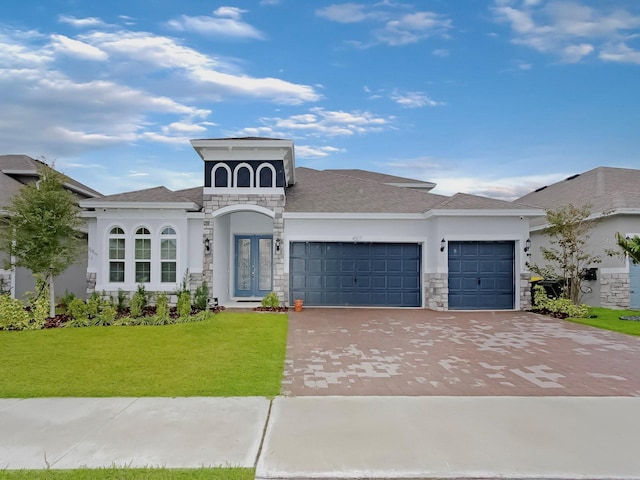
492	97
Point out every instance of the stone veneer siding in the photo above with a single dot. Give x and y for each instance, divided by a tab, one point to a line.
437	291
91	283
525	291
274	203
614	290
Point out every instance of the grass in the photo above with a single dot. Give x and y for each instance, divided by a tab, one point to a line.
131	474
609	319
232	354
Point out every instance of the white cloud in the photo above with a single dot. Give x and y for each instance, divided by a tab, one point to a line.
620	53
225	22
414	99
270	2
441	52
320	122
77	48
307	151
575	53
392	25
348	13
81	22
567	29
212	76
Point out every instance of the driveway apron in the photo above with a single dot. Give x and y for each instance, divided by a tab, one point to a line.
422	352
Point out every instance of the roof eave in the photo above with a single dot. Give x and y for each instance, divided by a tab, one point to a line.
484	212
189	206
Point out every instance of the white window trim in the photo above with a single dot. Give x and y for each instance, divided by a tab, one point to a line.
213	174
273	175
251	175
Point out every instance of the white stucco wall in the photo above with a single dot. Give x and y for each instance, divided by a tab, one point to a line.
130	221
354	230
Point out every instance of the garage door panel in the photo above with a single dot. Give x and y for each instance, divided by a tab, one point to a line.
481	275
374	274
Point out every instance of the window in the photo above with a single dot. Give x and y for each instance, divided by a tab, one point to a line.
143	255
168	255
266	175
221	175
116	255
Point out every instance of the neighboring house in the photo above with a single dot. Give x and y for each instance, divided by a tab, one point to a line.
331	238
614	196
15	172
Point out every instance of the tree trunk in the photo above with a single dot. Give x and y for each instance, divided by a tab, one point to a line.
52	297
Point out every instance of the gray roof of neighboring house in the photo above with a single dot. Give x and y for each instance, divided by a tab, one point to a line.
14	169
604	188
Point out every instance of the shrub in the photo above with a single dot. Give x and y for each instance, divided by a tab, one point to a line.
137	304
13	316
144	296
106	316
93	305
201	296
162	305
66	299
40	307
184	304
77	309
558	306
271	300
121	304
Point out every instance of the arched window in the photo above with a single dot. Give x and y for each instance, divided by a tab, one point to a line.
221	175
243	175
266	175
168	255
143	255
116	255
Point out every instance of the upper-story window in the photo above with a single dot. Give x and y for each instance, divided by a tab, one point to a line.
143	255
116	255
243	175
168	255
266	175
221	175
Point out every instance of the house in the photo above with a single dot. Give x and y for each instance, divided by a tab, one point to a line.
330	238
15	172
614	198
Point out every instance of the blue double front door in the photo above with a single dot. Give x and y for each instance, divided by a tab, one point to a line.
253	265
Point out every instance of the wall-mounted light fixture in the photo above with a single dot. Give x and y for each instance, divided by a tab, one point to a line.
527	245
443	244
277	244
207	245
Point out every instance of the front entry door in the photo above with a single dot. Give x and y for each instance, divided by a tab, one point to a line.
254	255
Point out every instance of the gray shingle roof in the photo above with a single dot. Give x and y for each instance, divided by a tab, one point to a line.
332	192
465	201
605	188
380	177
148	195
16	169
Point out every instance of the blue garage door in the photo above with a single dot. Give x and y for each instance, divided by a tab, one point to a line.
481	275
356	274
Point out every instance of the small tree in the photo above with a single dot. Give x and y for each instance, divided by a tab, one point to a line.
629	246
40	230
568	231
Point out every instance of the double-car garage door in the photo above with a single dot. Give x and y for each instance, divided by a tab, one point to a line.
356	274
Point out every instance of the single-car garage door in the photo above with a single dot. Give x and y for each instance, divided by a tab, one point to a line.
357	274
481	275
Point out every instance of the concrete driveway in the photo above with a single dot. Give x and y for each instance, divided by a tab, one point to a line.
422	352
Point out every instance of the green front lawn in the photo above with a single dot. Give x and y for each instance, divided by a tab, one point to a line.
131	474
232	354
609	319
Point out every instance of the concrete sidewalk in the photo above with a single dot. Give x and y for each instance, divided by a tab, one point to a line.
331	437
64	433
